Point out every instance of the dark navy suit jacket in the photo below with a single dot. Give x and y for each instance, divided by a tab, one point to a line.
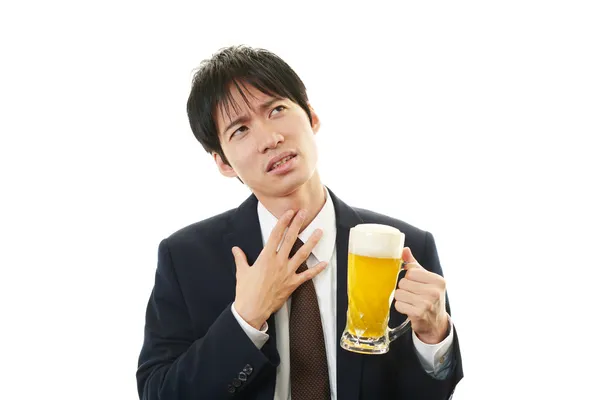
195	349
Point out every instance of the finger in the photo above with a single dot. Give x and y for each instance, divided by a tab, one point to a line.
292	233
423	292
422	275
407	297
411	286
407	255
240	258
409	265
311	273
279	230
304	252
407	309
408	260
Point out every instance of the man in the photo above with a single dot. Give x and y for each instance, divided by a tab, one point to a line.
220	321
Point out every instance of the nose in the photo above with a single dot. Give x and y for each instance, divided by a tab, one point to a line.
269	140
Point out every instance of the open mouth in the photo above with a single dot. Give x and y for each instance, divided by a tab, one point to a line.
281	163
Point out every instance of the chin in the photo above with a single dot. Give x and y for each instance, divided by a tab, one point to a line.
283	188
294	184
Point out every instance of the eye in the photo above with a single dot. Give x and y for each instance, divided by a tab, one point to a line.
239	130
279	107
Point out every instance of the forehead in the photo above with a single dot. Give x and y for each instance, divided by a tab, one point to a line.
239	100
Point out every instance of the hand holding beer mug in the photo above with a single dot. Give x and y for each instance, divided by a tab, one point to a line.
374	262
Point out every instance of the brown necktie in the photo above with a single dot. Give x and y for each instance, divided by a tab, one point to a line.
308	360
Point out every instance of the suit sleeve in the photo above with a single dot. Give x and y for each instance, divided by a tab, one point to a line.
413	378
174	364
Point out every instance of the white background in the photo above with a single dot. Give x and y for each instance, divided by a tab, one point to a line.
477	121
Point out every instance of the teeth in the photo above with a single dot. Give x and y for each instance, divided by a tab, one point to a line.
278	163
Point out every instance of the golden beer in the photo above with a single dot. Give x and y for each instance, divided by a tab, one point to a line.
374	262
371	281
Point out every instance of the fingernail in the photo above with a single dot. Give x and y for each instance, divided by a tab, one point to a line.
302	213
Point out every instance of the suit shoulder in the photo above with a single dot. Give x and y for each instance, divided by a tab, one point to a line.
372	217
204	231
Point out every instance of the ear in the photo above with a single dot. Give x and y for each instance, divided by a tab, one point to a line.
316	122
224	169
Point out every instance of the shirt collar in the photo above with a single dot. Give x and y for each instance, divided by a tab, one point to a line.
325	220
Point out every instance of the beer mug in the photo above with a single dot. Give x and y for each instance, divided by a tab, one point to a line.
374	263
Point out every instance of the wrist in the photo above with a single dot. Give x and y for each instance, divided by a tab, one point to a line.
436	334
255	320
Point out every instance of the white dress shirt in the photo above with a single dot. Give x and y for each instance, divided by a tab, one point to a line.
431	356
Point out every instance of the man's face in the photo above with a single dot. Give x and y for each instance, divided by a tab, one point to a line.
254	137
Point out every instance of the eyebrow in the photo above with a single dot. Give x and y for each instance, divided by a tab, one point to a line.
244	118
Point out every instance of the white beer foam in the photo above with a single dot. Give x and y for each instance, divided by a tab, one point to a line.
376	240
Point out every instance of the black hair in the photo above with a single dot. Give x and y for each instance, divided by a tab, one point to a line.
239	66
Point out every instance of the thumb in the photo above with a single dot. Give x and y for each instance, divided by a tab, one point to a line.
408	259
240	258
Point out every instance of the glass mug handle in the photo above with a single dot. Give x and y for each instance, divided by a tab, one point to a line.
395	333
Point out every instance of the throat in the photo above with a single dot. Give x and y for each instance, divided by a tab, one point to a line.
312	200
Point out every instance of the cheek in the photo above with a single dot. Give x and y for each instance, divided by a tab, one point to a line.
243	160
292	124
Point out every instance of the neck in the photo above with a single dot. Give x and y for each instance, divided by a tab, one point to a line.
310	197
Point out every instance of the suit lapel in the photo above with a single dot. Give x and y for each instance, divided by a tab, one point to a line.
349	365
244	232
